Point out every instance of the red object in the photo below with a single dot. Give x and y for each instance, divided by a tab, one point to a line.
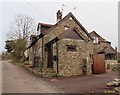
99	64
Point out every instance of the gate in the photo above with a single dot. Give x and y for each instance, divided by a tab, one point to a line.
99	64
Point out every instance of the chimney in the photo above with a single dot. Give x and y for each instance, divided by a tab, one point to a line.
59	15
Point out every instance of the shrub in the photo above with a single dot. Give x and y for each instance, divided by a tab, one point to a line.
57	75
119	60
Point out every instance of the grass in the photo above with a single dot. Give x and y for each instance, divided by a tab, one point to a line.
57	75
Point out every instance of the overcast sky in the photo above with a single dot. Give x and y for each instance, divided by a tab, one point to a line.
99	16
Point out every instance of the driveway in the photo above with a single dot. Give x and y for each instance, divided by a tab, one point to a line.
16	79
85	84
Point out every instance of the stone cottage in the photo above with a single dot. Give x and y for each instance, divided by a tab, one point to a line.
65	48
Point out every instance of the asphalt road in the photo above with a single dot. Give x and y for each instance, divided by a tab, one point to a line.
16	79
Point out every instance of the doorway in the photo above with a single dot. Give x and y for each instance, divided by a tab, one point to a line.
99	64
50	56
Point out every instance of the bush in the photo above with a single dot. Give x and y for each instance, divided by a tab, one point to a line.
6	56
118	60
57	75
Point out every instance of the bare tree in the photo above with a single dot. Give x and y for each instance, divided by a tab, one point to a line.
22	27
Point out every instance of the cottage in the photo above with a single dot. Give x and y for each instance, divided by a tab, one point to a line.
66	48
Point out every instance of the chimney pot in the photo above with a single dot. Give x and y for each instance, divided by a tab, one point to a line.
59	15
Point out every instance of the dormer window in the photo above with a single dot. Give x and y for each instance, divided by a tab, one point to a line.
95	40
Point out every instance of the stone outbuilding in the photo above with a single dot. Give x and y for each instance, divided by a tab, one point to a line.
65	48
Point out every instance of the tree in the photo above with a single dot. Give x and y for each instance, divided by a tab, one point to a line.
22	27
16	48
9	45
20	30
19	48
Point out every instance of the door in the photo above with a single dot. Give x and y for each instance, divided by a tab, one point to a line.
99	64
50	56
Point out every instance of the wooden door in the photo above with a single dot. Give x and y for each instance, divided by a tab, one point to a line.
99	64
50	56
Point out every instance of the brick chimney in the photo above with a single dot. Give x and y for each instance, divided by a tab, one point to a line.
59	15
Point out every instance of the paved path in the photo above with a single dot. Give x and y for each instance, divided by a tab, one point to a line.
16	79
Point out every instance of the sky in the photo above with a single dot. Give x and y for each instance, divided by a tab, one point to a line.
95	15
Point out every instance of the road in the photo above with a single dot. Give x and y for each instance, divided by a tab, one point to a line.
0	76
16	79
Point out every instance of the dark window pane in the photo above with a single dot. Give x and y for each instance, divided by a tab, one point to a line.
71	48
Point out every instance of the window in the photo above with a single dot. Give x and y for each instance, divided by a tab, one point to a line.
95	39
71	48
66	26
55	58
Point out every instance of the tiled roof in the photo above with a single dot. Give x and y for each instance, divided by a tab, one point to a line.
53	26
100	39
70	14
44	24
104	50
71	29
33	36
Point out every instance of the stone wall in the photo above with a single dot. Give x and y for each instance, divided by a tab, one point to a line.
71	62
39	49
110	64
97	48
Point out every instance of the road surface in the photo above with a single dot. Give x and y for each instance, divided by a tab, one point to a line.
86	84
16	79
0	76
19	80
